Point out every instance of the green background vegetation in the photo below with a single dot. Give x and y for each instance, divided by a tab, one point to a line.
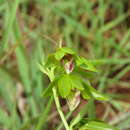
31	29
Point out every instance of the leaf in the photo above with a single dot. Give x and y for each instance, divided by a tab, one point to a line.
97	125
9	24
4	118
85	74
89	67
91	92
68	50
97	62
79	116
86	94
76	82
85	64
97	95
48	90
51	61
79	60
64	86
61	52
91	110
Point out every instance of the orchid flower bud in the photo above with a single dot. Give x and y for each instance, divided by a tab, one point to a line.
69	66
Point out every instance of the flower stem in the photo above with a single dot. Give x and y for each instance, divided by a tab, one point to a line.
57	102
59	108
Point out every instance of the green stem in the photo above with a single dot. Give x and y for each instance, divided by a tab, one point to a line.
59	108
51	76
61	124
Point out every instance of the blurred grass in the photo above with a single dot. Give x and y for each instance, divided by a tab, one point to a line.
96	29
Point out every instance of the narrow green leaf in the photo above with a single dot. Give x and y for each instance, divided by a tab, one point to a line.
80	29
86	94
79	116
91	110
85	64
92	92
97	125
96	62
10	22
97	95
79	60
113	23
4	119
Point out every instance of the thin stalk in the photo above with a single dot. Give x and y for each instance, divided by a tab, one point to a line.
57	102
59	108
61	124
